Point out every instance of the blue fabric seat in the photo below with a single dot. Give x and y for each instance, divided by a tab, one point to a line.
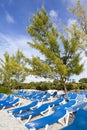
7	99
45	97
23	108
79	105
38	96
24	94
80	121
32	94
32	113
42	122
67	105
9	103
20	93
71	96
54	94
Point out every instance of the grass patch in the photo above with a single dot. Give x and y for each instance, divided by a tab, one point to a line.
5	90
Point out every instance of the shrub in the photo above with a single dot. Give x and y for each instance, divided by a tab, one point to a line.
5	90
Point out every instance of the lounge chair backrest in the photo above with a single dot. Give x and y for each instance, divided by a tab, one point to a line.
7	99
65	106
72	95
23	108
78	106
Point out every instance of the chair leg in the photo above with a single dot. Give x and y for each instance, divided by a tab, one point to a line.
32	129
19	119
46	127
28	120
20	103
49	110
61	122
66	117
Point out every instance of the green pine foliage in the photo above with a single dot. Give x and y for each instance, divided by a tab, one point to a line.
80	12
58	63
13	70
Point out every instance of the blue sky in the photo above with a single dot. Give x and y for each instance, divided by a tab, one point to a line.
14	19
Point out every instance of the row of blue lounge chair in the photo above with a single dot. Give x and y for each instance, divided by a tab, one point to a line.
60	110
26	112
60	113
36	95
8	101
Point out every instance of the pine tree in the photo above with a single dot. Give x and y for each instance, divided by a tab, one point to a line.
19	68
58	63
13	70
80	12
5	71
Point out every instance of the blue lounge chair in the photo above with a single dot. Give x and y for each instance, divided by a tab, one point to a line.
23	108
79	105
33	93
45	97
72	95
26	94
67	105
32	113
38	96
7	99
58	115
80	121
62	95
40	110
80	97
20	93
54	94
9	104
48	120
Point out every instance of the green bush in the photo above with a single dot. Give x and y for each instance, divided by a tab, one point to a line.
47	85
83	86
72	86
5	90
57	85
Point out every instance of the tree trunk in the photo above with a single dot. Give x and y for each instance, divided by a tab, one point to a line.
65	89
64	85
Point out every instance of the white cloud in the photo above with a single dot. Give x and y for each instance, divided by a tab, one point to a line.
11	44
53	14
71	22
9	18
54	17
32	78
